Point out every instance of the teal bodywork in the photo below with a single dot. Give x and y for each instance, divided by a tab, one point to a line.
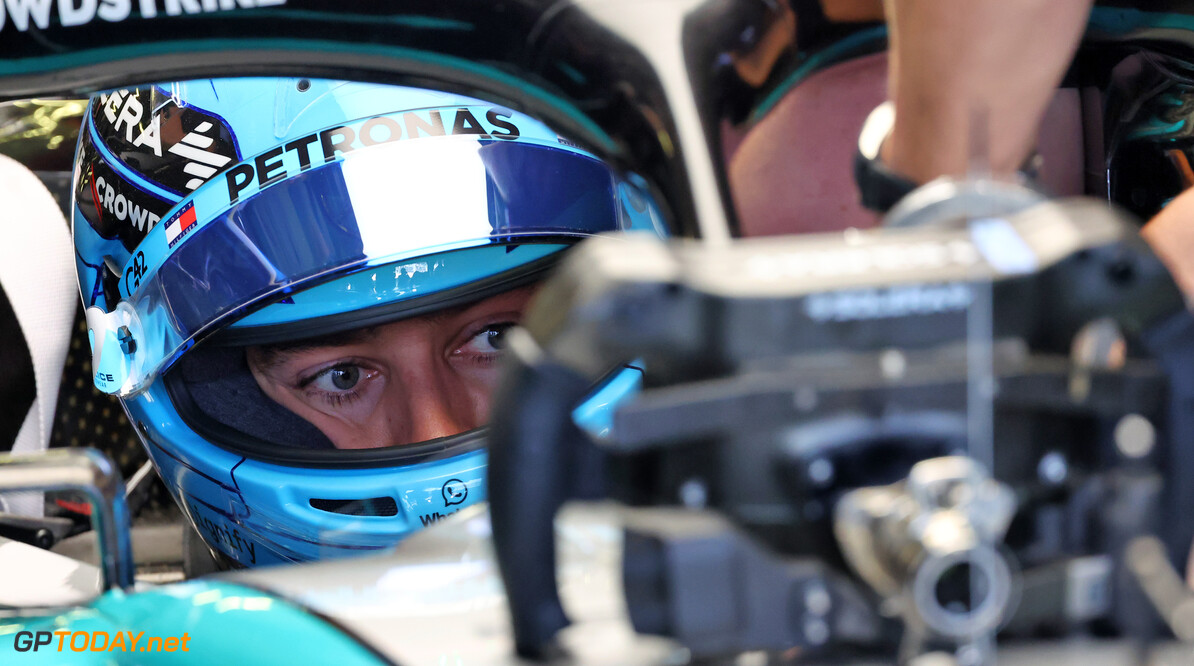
227	624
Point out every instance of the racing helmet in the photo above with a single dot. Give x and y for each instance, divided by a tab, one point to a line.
215	217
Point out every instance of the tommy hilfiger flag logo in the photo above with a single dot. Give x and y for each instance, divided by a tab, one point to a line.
180	223
202	164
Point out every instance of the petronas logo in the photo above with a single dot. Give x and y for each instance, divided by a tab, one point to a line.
201	164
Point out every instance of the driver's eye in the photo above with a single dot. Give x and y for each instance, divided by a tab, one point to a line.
491	340
337	378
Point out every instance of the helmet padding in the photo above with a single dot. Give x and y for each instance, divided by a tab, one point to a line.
217	385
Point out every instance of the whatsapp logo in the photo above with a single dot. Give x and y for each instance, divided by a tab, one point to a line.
455	491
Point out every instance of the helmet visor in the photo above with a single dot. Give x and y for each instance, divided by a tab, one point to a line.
279	223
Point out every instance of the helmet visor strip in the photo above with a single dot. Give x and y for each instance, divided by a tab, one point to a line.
264	229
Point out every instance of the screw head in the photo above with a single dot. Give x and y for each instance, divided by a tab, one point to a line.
1053	468
127	344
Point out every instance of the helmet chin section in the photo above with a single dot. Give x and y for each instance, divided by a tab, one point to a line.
256	513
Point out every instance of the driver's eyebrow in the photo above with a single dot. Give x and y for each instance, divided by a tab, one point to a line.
275	354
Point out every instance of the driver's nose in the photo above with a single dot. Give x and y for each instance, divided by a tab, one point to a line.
433	415
439	404
429	397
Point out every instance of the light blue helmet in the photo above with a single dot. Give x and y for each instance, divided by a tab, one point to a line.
210	215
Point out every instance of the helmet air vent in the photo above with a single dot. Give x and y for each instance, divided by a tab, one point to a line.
369	506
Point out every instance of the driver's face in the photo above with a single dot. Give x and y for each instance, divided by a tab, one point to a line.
398	383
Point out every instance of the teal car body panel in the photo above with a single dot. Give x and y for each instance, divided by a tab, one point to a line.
225	623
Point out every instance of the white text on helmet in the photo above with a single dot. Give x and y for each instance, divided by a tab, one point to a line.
133	122
124	111
116	203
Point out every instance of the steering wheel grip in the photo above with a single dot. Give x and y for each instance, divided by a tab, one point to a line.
535	451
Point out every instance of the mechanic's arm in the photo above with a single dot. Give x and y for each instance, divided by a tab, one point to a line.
950	68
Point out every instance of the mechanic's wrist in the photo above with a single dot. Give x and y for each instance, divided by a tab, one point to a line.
884	179
879	185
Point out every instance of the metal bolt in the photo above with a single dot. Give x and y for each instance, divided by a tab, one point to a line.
816	598
821	472
970	655
1135	436
893	364
694	494
127	344
1052	468
816	631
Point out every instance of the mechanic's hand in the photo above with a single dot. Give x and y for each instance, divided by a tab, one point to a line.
1171	234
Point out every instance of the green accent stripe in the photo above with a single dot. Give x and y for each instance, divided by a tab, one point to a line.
1118	20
